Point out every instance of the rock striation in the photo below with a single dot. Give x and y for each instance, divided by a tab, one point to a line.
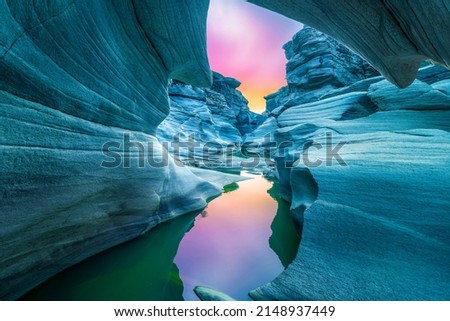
365	169
394	36
316	65
217	115
205	127
83	89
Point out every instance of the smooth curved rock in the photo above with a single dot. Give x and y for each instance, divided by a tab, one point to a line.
374	213
302	133
433	74
417	96
426	24
78	75
352	105
266	129
394	36
374	229
116	59
378	229
375	223
207	294
83	88
185	63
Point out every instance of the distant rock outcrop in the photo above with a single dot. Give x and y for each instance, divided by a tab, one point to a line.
316	65
218	115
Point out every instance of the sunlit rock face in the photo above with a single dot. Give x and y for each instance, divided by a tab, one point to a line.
392	35
82	91
365	168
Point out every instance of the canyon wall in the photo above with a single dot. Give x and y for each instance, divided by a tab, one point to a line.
365	169
83	89
394	36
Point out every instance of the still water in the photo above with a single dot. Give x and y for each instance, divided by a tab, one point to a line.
242	240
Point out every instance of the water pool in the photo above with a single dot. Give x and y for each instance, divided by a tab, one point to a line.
243	239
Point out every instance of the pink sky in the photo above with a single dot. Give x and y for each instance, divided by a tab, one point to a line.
244	42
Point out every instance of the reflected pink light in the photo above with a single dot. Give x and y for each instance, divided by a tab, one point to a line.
228	250
244	42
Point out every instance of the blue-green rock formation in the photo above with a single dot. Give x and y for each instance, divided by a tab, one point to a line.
365	168
394	36
76	75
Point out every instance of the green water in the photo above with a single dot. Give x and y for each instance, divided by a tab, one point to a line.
286	235
141	269
145	268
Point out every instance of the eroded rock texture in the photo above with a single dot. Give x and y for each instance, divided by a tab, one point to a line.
316	65
392	35
218	115
205	127
76	75
366	170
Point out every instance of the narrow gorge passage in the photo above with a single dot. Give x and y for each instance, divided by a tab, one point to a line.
104	105
242	240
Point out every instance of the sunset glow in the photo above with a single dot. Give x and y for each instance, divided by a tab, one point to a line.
220	251
245	42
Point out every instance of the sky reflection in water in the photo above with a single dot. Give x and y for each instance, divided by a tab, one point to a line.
227	250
